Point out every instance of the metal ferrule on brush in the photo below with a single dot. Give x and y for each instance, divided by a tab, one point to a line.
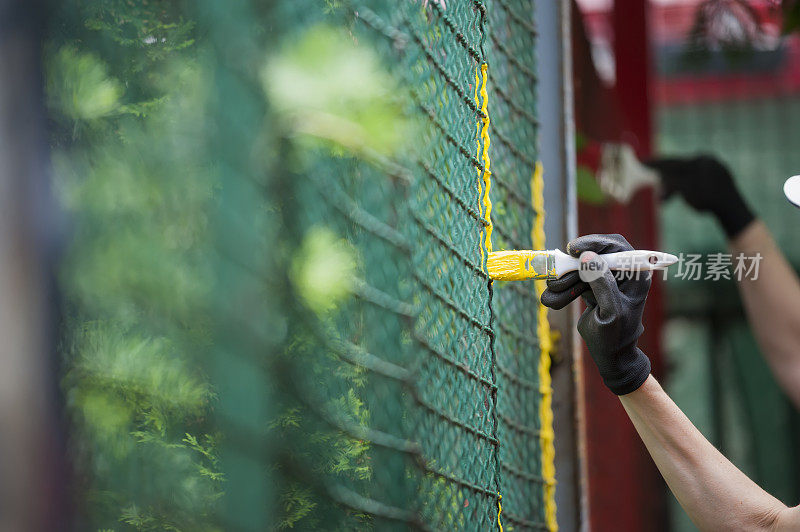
539	265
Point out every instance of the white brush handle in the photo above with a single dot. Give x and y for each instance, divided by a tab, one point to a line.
634	260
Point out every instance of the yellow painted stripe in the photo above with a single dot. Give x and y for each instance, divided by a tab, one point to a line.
485	185
545	335
481	77
499	511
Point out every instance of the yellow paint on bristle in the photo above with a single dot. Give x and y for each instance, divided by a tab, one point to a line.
514	265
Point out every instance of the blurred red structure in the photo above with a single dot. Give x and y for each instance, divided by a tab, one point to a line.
763	74
626	492
618	82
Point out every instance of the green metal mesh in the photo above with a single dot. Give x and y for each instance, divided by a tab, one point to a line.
324	349
428	368
457	419
512	62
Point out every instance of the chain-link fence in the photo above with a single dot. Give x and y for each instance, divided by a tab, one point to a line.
364	372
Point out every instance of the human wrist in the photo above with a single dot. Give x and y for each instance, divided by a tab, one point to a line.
649	388
751	239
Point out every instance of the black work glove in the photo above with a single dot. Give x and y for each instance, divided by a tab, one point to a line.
707	185
612	322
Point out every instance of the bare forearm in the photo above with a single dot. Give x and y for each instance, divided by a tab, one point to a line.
772	304
715	494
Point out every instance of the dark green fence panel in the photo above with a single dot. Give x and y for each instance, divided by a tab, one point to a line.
361	370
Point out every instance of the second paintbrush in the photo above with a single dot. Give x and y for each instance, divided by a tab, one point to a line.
552	264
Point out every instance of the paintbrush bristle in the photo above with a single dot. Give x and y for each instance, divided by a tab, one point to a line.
514	265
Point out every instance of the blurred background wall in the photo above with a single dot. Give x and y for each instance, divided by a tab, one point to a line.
731	89
743	107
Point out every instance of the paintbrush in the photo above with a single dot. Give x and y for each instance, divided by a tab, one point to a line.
552	264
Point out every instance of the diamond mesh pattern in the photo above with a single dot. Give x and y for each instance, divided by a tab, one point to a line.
429	367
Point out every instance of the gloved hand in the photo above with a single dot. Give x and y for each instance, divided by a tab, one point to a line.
707	185
612	322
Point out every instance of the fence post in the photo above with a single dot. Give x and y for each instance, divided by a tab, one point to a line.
31	457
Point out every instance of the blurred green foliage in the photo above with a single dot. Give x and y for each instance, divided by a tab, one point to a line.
588	188
79	86
124	89
325	86
322	269
128	98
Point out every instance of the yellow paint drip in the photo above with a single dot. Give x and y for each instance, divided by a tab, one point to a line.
499	511
483	142
481	77
515	265
546	435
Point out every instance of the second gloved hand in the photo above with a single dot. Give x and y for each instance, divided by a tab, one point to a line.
708	186
612	322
